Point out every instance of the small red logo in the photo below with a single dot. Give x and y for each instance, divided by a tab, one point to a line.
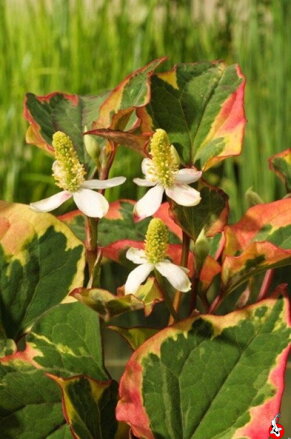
276	431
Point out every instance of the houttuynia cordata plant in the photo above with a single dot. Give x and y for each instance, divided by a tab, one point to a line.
201	302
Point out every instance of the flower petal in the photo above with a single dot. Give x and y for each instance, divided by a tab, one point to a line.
176	275
146	164
136	255
91	203
150	202
184	195
187	176
142	182
136	277
52	202
103	184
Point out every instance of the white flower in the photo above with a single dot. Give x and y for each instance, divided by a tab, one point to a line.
175	274
153	257
91	203
69	175
162	175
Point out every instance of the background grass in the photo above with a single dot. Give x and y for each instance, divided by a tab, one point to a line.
86	46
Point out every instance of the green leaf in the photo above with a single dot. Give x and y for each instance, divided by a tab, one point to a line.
133	92
210	214
66	341
30	403
281	164
134	336
74	114
64	344
209	376
201	108
7	346
89	407
41	260
71	114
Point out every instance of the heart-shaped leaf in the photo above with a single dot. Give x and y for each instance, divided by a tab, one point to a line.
66	341
41	261
209	376
30	403
71	114
201	108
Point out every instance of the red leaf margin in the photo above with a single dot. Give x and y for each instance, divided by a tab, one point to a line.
130	407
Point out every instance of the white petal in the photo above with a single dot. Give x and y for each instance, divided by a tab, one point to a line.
137	277
150	202
103	184
52	202
142	182
176	275
184	195
187	176
91	203
146	164
136	255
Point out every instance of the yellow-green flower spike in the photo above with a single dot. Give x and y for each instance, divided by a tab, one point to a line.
156	242
68	172
164	159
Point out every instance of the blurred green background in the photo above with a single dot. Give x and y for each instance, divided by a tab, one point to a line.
87	46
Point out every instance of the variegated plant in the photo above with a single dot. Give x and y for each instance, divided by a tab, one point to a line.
209	362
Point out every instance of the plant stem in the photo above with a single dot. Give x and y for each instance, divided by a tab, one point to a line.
93	255
91	228
184	263
266	284
215	304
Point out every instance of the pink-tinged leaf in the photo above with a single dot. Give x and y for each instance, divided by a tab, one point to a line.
263	222
201	107
228	124
164	214
71	114
260	240
257	257
34	249
209	376
210	269
109	305
39	133
281	164
133	92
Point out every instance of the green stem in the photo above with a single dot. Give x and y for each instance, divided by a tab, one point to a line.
184	263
